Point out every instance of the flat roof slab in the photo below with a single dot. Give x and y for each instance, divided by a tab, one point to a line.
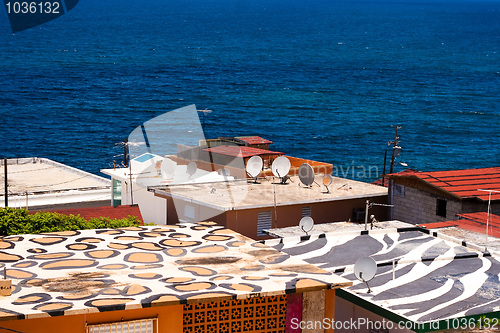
88	271
433	278
323	228
244	194
39	175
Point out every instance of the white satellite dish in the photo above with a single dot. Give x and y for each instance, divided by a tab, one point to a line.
191	168
254	166
365	269
327	181
225	172
168	168
281	167
306	224
306	174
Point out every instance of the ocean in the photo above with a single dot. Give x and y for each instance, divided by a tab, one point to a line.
324	80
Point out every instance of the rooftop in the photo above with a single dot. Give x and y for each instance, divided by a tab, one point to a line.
472	227
118	212
42	183
473	222
88	271
434	277
254	140
460	183
245	195
241	151
41	175
344	226
145	172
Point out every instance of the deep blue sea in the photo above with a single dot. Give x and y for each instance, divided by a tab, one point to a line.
323	79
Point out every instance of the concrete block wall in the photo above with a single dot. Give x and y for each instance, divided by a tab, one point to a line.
418	207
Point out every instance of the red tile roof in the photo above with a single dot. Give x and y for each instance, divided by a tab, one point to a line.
87	213
473	222
240	151
254	140
462	183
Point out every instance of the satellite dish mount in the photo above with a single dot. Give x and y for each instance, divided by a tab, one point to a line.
365	269
327	181
306	175
306	224
280	168
254	167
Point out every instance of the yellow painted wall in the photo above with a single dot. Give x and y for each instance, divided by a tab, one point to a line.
169	320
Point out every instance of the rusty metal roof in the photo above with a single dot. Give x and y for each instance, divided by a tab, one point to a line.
254	140
240	151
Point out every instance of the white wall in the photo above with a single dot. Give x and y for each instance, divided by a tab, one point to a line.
153	209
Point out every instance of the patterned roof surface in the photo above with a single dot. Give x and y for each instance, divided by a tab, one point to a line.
87	213
114	269
435	279
241	151
462	183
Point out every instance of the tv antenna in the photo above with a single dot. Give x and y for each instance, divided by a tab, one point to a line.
488	216
369	205
280	168
191	169
204	112
306	174
327	181
365	269
254	167
306	224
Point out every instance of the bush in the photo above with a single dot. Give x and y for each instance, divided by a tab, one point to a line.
19	221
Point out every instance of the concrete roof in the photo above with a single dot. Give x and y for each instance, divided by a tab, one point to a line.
245	195
41	175
88	271
435	278
41	183
323	228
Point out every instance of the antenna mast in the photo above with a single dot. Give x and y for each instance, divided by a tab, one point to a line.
394	144
6	183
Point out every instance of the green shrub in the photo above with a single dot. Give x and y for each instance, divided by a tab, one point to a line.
19	221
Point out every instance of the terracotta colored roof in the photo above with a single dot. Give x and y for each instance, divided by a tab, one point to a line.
254	140
462	183
473	222
119	212
240	151
386	182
